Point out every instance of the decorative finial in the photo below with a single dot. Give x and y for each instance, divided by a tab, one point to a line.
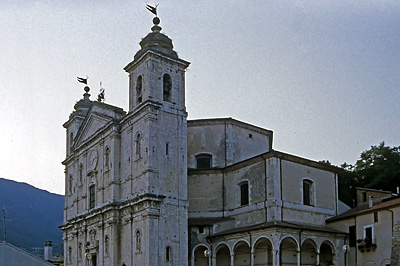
86	95
156	20
102	94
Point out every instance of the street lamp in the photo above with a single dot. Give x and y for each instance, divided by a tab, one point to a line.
207	253
346	249
88	256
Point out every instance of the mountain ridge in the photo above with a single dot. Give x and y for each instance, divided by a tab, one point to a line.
32	216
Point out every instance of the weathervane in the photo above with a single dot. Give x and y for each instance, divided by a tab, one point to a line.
156	20
152	9
86	89
82	80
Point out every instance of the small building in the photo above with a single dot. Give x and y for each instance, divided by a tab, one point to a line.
373	227
13	256
48	254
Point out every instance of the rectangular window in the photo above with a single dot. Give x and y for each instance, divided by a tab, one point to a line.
352	236
376	217
364	195
203	161
91	197
306	193
201	229
244	194
166	148
168	254
369	235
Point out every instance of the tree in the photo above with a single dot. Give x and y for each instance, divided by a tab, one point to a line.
347	184
377	168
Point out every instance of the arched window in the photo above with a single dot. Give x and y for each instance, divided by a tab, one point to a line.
139	96
107	161
92	196
203	161
167	87
168	254
70	254
106	243
80	173
138	146
80	251
138	241
308	192
244	193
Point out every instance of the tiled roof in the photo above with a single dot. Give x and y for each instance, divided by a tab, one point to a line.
387	203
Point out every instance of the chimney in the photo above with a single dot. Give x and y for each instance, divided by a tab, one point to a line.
370	201
48	250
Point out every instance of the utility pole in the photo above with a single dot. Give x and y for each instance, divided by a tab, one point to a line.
4	224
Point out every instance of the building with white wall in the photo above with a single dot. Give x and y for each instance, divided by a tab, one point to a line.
373	227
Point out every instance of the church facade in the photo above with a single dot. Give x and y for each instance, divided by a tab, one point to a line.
148	187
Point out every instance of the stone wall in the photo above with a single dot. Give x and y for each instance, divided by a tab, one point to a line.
395	257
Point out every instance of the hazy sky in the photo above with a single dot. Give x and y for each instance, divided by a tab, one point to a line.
323	75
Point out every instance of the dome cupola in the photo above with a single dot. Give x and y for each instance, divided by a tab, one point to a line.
157	42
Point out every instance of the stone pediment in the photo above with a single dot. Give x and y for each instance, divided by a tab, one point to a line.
97	119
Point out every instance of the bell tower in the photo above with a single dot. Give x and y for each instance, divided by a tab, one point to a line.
156	73
154	153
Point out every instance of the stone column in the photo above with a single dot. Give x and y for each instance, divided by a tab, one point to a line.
213	261
298	258
192	259
275	257
252	258
232	259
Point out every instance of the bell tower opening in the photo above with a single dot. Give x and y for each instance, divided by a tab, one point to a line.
167	88
139	97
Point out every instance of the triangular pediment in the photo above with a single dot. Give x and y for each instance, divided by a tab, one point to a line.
99	117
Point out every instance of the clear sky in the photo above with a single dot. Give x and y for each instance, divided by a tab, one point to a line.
323	75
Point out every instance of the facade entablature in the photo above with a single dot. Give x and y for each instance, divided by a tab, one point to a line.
152	57
147	108
111	131
296	206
